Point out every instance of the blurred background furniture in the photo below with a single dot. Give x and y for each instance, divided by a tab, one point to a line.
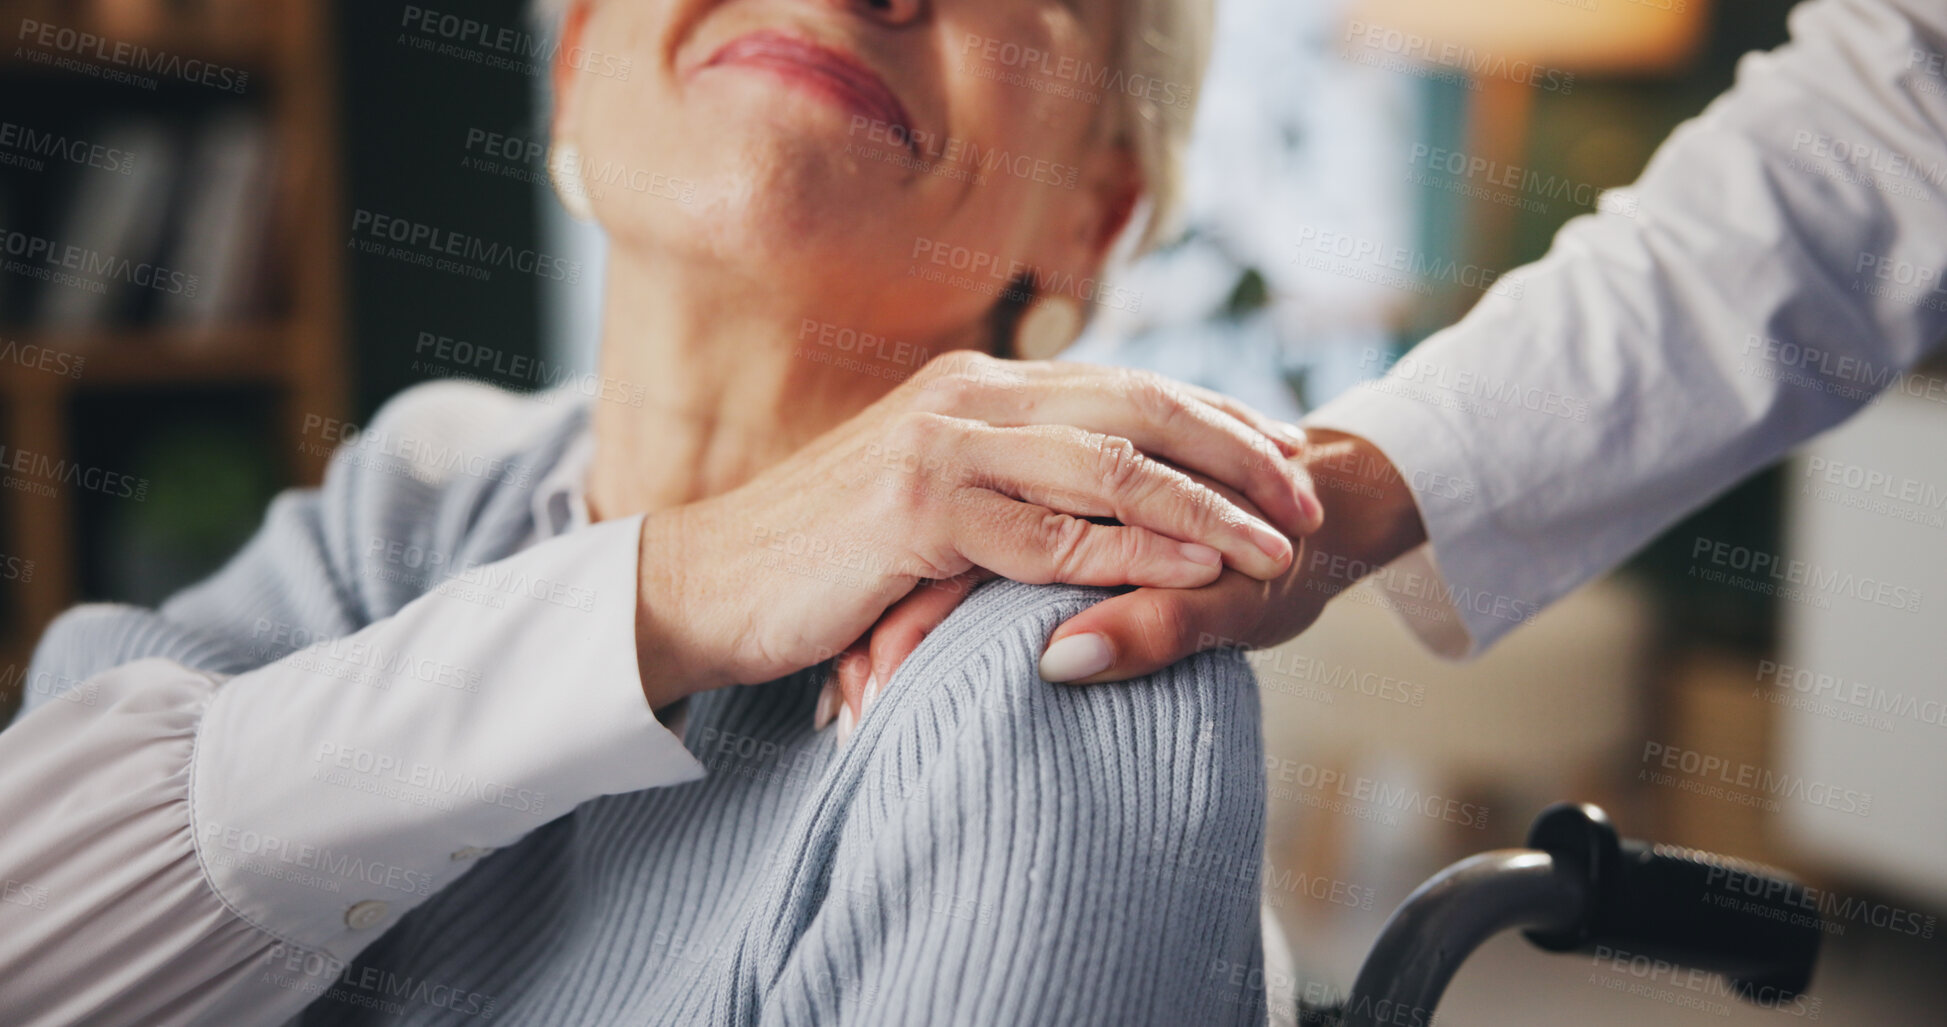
1358	697
158	382
226	149
1864	690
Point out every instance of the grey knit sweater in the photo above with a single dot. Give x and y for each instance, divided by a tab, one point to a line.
988	848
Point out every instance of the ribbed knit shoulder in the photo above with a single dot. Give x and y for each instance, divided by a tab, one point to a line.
982	661
1125	820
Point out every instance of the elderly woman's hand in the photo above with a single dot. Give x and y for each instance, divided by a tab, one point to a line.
974	464
1372	519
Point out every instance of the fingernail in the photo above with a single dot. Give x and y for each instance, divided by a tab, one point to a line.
871	693
1291	435
1274	545
1197	552
1076	656
847	723
821	718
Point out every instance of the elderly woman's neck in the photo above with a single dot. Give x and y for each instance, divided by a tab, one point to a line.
704	389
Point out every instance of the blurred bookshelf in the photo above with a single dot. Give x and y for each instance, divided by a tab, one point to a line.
172	289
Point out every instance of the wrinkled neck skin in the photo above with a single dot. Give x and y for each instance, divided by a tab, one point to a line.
733	376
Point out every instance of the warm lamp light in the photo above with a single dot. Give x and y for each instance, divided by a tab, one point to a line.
1582	36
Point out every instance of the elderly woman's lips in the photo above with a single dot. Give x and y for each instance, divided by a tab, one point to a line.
838	74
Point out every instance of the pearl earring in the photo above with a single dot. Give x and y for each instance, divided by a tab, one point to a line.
564	170
1047	327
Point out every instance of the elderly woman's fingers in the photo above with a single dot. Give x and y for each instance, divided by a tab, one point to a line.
1170	422
846	686
1037	545
1194	427
852	664
1093	475
1292	441
1141	632
1290	437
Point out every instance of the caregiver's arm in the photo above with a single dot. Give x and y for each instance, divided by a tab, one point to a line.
184	846
1776	266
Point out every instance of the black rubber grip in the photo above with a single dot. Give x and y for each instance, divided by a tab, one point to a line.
1749	922
1753	924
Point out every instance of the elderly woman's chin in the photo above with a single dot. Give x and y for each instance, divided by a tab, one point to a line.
740	147
754	183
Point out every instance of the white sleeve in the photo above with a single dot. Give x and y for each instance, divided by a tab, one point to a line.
179	852
1778	264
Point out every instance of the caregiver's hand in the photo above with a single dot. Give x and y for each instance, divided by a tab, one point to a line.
1370	520
973	463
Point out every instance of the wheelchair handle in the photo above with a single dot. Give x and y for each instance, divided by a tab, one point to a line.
1747	921
1579	888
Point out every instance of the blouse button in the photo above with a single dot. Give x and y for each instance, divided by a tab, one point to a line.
366	915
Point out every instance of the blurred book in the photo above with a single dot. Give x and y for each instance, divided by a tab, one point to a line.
10	291
223	231
112	231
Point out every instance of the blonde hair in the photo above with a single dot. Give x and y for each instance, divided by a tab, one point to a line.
1153	79
1167	44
